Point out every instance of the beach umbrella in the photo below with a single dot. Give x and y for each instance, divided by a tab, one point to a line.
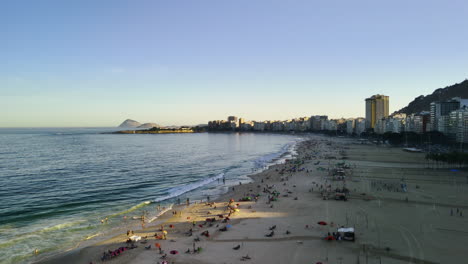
157	245
229	226
173	252
322	223
165	232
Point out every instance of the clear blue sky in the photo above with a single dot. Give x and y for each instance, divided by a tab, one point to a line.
96	63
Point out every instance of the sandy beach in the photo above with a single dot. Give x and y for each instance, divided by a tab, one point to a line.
425	224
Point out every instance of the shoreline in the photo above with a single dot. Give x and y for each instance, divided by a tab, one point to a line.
69	254
392	225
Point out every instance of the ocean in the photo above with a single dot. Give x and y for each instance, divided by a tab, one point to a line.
58	184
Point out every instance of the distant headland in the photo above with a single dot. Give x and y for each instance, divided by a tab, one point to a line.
129	123
153	128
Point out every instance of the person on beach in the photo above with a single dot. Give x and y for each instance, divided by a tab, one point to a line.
159	247
188	201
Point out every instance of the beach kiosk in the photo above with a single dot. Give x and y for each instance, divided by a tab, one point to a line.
347	233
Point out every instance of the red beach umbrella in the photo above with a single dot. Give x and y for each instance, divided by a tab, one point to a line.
173	252
322	223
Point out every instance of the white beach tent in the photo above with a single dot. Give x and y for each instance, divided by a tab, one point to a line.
346	230
348	233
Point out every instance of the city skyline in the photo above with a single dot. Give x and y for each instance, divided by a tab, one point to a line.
95	64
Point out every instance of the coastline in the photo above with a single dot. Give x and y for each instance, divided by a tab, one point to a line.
381	214
70	255
169	131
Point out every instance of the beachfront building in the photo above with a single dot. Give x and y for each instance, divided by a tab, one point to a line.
317	123
350	126
377	107
418	123
440	112
341	125
409	123
246	126
390	124
259	126
462	135
241	121
231	124
218	125
394	124
444	124
379	126
277	126
360	125
301	124
331	125
289	125
422	122
458	125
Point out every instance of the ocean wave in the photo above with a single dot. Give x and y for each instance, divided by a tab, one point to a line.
266	159
12	242
92	236
131	209
59	226
174	192
160	213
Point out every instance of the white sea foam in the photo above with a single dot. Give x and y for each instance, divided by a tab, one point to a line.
287	151
131	209
92	236
161	213
174	192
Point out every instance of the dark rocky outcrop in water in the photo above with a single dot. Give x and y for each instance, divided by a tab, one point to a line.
422	103
130	123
